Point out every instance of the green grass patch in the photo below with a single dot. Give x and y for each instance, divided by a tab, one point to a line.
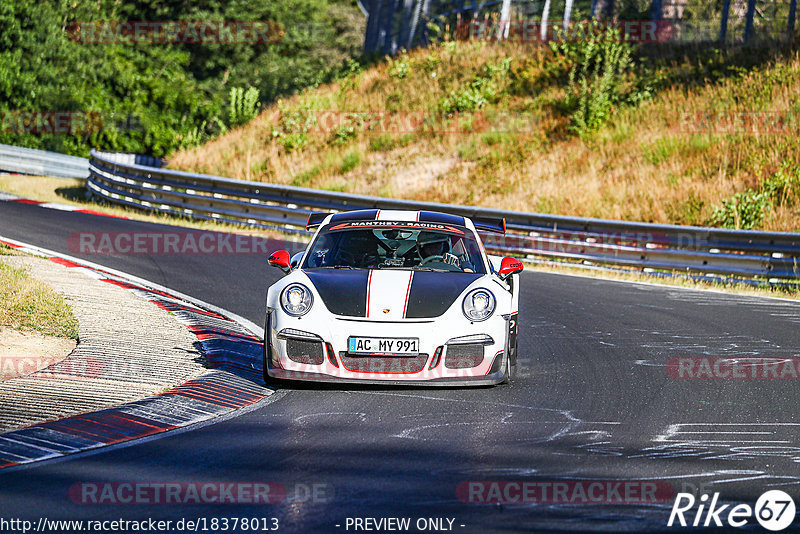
28	304
349	162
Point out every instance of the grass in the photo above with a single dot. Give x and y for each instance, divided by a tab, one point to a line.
27	304
508	142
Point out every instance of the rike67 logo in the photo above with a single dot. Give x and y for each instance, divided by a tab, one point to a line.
774	511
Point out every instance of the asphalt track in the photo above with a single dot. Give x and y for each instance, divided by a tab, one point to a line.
593	401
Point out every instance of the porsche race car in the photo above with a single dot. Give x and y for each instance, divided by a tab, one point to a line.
387	296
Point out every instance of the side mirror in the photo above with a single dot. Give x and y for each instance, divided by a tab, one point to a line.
509	266
280	259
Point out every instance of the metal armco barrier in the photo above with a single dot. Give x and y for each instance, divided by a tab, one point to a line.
770	256
40	162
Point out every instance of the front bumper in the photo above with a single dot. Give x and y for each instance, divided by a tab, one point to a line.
436	365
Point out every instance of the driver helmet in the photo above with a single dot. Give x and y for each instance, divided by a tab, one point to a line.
432	244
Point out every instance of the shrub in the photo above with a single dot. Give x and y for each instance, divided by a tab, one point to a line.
399	68
483	89
243	106
293	141
742	211
343	134
783	187
598	60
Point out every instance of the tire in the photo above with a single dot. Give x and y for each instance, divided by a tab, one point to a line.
268	380
511	360
511	369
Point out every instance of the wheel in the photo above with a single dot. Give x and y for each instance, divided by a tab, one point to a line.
511	352
511	369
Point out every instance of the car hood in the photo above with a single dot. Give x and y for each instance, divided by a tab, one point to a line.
389	294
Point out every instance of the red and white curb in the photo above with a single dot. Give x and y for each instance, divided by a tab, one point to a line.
7	197
231	345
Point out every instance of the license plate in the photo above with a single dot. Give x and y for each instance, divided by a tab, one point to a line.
383	345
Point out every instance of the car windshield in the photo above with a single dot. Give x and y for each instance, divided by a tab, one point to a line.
409	246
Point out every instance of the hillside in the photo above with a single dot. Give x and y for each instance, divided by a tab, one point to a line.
686	141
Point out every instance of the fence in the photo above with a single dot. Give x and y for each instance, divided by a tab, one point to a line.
772	257
39	162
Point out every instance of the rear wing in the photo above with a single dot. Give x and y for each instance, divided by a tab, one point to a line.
489	224
483	224
315	219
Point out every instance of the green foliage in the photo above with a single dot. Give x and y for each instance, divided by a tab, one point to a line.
293	141
304	178
748	210
598	60
344	133
484	89
742	211
387	142
661	150
243	105
349	162
399	68
155	97
292	129
783	187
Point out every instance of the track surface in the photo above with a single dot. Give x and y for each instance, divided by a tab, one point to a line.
593	401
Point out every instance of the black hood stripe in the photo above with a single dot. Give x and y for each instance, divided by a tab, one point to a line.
344	292
432	294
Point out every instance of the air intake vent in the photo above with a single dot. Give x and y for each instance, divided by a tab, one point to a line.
308	352
463	356
384	364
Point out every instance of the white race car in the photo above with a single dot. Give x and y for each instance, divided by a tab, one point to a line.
402	297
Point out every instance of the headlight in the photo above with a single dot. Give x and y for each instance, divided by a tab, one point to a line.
478	305
296	300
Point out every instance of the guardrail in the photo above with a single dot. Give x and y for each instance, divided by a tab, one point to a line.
40	162
771	257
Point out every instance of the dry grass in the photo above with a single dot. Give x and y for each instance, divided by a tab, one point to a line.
27	304
646	164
